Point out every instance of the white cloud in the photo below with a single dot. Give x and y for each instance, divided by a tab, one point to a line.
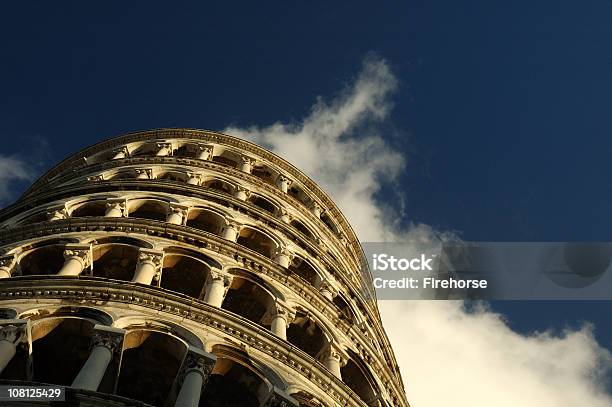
12	169
447	356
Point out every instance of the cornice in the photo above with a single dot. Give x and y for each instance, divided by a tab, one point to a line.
96	291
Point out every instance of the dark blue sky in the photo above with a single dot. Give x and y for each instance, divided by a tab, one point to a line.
503	107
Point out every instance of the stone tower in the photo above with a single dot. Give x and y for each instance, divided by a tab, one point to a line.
183	267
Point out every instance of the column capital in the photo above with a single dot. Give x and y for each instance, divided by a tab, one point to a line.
122	150
285	216
58	212
280	309
240	189
283	179
197	360
335	352
218	275
284	251
179	209
204	151
153	257
246	160
327	285
317	209
117	203
14	331
108	337
79	252
144	171
166	145
237	226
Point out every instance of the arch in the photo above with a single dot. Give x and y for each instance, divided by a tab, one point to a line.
263	203
148	209
306	334
172	175
265	173
329	223
115	260
151	360
257	241
121	174
93	315
226	157
248	298
302	229
132	241
218	185
346	311
304	269
206	220
89	208
44	260
132	323
60	347
358	378
146	149
235	381
34	218
298	193
184	274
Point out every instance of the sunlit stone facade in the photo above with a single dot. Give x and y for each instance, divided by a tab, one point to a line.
186	267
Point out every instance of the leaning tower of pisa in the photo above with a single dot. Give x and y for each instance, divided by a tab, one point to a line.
181	267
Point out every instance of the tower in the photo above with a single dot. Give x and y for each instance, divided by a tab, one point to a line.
181	267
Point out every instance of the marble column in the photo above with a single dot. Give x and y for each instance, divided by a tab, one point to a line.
149	266
197	367
12	333
7	263
327	290
115	208
334	360
177	214
316	209
204	152
247	164
105	342
280	319
164	149
241	193
230	231
283	183
285	216
283	257
120	153
77	258
216	287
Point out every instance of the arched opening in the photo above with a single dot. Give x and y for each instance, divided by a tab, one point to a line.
125	174
225	161
263	204
150	363
44	260
92	208
184	275
116	261
356	376
329	223
247	299
232	384
218	185
60	347
306	335
303	269
264	173
256	241
175	176
185	150
206	220
148	149
148	209
345	309
297	192
302	229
